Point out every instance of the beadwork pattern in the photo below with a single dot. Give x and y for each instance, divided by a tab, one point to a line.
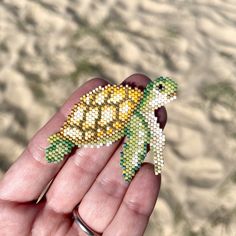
106	114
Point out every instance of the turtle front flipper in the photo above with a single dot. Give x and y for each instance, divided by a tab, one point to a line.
58	148
157	144
135	148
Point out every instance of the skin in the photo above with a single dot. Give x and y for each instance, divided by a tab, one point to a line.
91	177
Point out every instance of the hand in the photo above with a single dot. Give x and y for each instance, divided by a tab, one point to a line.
91	177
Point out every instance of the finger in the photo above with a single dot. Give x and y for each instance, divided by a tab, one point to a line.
81	170
17	219
137	205
161	114
77	176
49	222
28	176
101	202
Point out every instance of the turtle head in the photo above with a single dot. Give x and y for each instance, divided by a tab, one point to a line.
161	91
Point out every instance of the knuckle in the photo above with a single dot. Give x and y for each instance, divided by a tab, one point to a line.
86	162
112	187
136	206
95	82
140	76
36	152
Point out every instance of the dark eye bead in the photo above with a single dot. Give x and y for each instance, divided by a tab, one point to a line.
160	87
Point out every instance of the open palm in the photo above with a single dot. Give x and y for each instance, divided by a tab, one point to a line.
90	177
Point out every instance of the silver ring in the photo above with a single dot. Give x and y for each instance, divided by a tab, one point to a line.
84	227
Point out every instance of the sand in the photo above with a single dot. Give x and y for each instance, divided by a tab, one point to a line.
49	48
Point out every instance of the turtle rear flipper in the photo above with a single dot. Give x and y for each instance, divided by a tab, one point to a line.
135	148
58	148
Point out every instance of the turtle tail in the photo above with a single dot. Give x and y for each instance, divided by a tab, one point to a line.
58	148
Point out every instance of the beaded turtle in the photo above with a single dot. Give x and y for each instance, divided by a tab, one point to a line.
106	114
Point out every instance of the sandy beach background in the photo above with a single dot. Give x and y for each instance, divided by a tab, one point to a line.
49	48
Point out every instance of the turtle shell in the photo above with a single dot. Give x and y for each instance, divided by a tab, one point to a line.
101	115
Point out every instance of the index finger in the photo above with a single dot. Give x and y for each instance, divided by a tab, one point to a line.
30	174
